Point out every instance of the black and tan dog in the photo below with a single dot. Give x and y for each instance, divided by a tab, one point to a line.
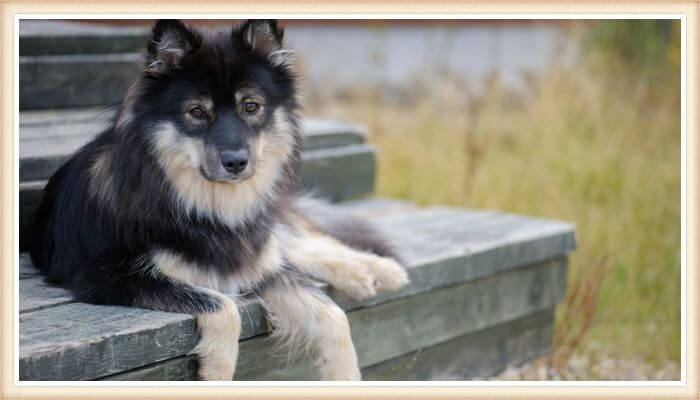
191	194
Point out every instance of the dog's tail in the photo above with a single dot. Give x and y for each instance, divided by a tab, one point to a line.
349	229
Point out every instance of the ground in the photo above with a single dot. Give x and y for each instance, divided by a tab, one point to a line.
583	368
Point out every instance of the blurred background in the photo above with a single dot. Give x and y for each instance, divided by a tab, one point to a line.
571	120
574	120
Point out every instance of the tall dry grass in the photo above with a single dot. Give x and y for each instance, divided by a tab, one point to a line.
597	144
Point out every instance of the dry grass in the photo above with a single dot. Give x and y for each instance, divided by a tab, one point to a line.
588	145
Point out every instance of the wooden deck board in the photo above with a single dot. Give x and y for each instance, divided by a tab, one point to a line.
76	341
476	355
76	80
41	37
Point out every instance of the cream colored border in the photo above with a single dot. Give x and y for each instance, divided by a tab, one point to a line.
434	391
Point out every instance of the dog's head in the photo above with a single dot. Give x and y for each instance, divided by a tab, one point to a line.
220	104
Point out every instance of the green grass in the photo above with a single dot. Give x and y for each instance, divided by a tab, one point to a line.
598	145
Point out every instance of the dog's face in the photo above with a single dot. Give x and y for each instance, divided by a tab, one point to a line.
218	103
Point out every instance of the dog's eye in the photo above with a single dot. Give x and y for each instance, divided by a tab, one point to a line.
250	107
198	113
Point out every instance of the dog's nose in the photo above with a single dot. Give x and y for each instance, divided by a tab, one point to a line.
235	161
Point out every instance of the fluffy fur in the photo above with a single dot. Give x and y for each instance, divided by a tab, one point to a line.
191	194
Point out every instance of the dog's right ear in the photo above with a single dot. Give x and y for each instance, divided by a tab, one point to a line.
266	37
171	41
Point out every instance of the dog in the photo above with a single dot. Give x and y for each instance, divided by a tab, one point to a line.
192	193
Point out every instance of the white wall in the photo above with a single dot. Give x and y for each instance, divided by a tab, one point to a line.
342	56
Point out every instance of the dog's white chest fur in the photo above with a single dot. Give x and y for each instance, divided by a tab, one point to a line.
241	280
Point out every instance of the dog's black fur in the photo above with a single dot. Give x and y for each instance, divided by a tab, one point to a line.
99	251
113	203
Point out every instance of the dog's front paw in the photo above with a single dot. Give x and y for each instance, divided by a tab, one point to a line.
389	276
358	282
372	275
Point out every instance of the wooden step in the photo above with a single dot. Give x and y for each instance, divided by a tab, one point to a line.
75	80
471	270
476	355
47	37
66	64
337	163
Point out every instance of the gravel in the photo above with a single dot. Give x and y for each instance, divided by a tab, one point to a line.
582	368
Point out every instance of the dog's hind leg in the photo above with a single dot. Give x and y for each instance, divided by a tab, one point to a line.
306	318
341	250
359	274
136	281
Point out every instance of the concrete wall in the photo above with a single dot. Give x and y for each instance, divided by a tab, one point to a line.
337	57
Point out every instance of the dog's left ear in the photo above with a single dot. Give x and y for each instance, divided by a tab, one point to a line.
267	38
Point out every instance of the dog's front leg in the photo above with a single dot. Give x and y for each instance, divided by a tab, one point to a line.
219	323
217	348
305	316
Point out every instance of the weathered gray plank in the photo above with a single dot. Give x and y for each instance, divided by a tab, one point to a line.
35	294
398	327
75	80
37	37
340	173
337	174
26	268
92	340
181	368
401	327
77	341
58	117
324	133
473	356
377	207
49	138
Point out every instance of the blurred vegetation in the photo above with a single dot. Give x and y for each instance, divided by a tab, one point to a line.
648	48
596	143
